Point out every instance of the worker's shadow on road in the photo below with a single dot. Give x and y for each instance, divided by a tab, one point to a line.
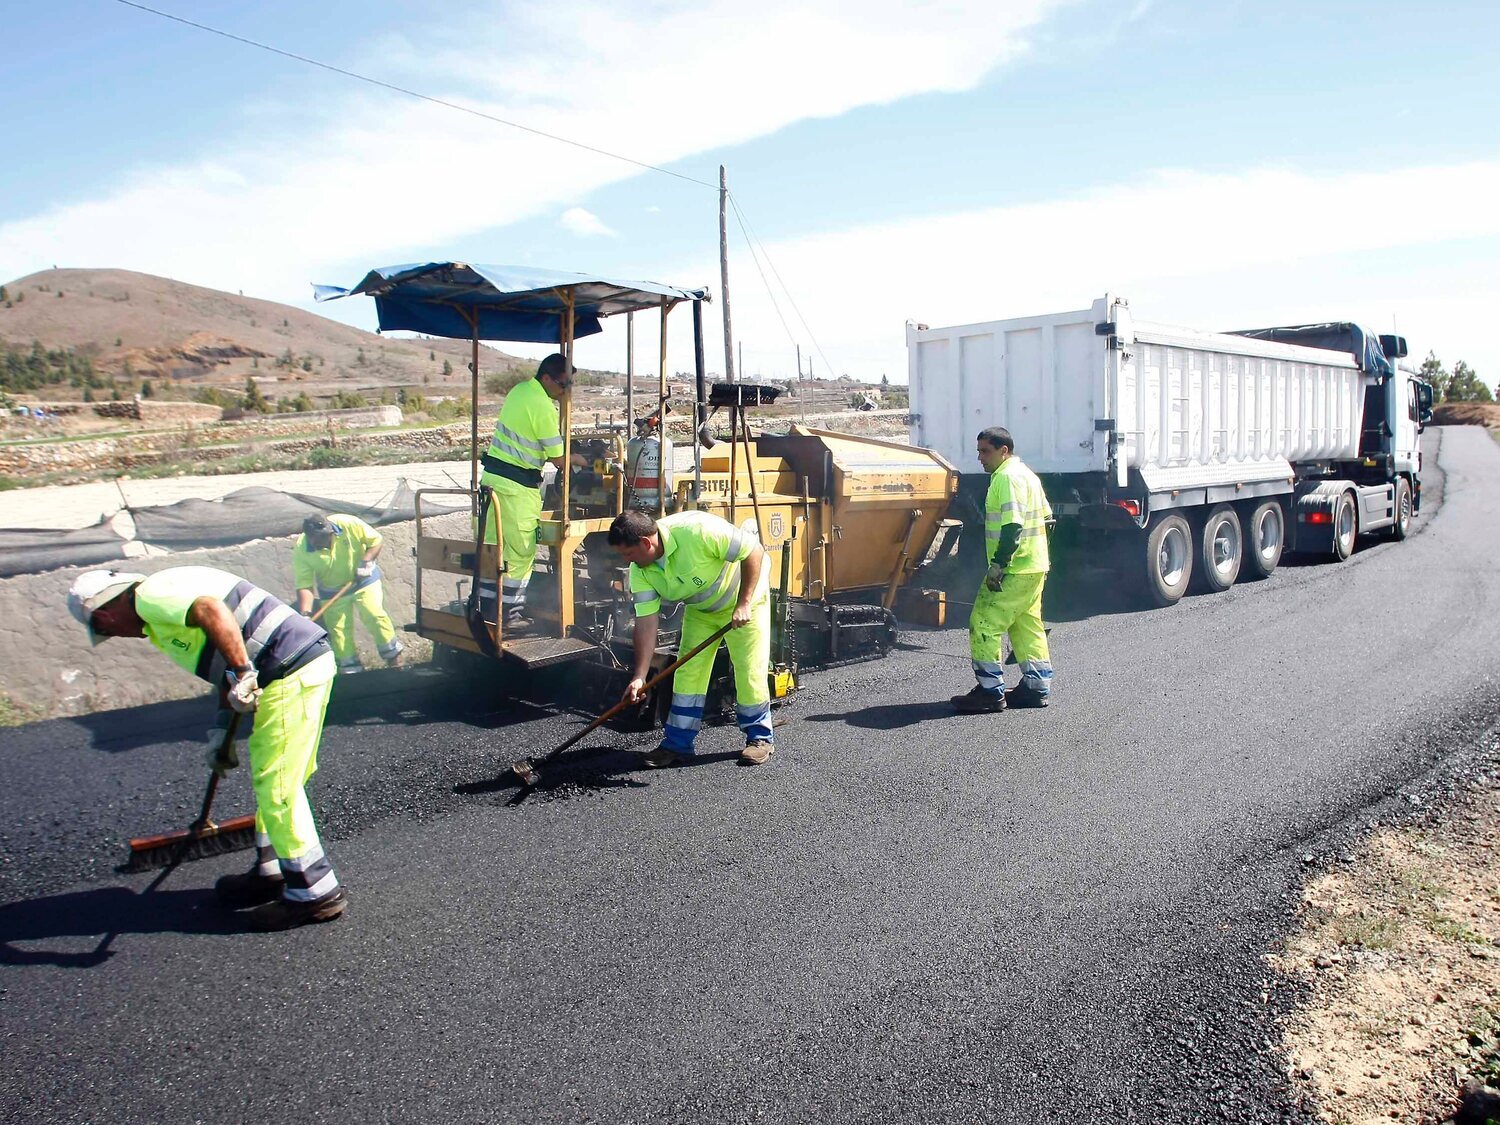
891	716
131	728
100	916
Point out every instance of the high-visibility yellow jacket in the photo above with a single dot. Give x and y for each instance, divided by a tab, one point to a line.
326	571
528	432
1016	496
699	566
278	639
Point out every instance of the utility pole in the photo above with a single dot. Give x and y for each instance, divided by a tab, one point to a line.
724	274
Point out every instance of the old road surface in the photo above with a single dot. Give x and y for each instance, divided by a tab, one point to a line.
1054	916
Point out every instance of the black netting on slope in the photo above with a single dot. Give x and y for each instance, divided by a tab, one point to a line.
27	550
249	513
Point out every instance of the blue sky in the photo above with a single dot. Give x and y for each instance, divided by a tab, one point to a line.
1220	165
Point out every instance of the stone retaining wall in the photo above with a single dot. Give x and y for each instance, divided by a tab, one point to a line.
48	668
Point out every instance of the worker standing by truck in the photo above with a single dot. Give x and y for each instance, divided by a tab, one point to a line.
718	572
1009	601
262	657
528	434
335	559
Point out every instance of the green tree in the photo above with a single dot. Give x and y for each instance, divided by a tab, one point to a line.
117	341
4	293
254	400
1434	372
307	363
147	390
447	368
430	354
1465	386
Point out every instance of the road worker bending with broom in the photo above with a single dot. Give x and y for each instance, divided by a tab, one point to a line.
262	657
718	572
335	559
1009	601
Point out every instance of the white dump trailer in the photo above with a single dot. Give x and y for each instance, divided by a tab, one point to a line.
1185	457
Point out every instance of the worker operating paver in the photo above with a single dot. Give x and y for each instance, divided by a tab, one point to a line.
334	562
262	657
527	435
718	572
1009	601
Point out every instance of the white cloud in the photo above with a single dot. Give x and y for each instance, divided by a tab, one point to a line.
316	188
1267	246
582	222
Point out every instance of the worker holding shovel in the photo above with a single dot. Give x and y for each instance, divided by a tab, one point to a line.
718	572
335	558
262	657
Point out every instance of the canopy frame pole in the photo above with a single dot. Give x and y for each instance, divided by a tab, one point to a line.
700	395
566	411
472	316
629	374
661	412
729	376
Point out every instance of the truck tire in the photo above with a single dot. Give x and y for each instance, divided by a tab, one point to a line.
1402	527
1345	526
1168	561
1265	538
1221	550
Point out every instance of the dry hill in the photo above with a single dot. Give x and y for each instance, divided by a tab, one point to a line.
139	326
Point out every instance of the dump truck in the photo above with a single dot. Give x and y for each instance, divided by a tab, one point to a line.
1185	459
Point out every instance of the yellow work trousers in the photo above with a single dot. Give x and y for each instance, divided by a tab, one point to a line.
520	514
284	754
369	605
749	652
1015	610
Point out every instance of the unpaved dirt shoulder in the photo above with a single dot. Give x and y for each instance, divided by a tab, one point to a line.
1398	958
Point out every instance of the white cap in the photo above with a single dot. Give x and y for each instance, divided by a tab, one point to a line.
95	588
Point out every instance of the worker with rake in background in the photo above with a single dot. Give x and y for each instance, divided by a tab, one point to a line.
265	658
1009	602
528	434
718	572
334	559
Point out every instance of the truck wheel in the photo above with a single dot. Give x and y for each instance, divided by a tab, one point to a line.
1265	537
1402	527
1168	560
1220	550
1345	526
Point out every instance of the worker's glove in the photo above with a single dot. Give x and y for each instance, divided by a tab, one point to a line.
994	577
365	570
244	690
220	755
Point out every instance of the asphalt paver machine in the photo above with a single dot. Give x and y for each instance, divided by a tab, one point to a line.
845	520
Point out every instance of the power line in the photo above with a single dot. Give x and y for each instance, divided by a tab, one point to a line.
745	225
414	93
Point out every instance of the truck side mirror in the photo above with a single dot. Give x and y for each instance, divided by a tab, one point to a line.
1424	403
1393	347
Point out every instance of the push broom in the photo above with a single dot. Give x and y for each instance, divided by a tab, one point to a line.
203	838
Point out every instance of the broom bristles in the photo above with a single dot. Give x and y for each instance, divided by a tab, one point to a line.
169	851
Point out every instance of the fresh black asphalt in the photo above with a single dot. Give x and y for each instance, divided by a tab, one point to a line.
907	916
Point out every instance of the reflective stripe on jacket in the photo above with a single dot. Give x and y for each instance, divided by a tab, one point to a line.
276	636
1016	496
326	571
528	432
699	566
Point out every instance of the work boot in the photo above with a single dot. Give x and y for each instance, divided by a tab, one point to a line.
288	914
249	889
1023	696
664	757
978	701
757	752
518	623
